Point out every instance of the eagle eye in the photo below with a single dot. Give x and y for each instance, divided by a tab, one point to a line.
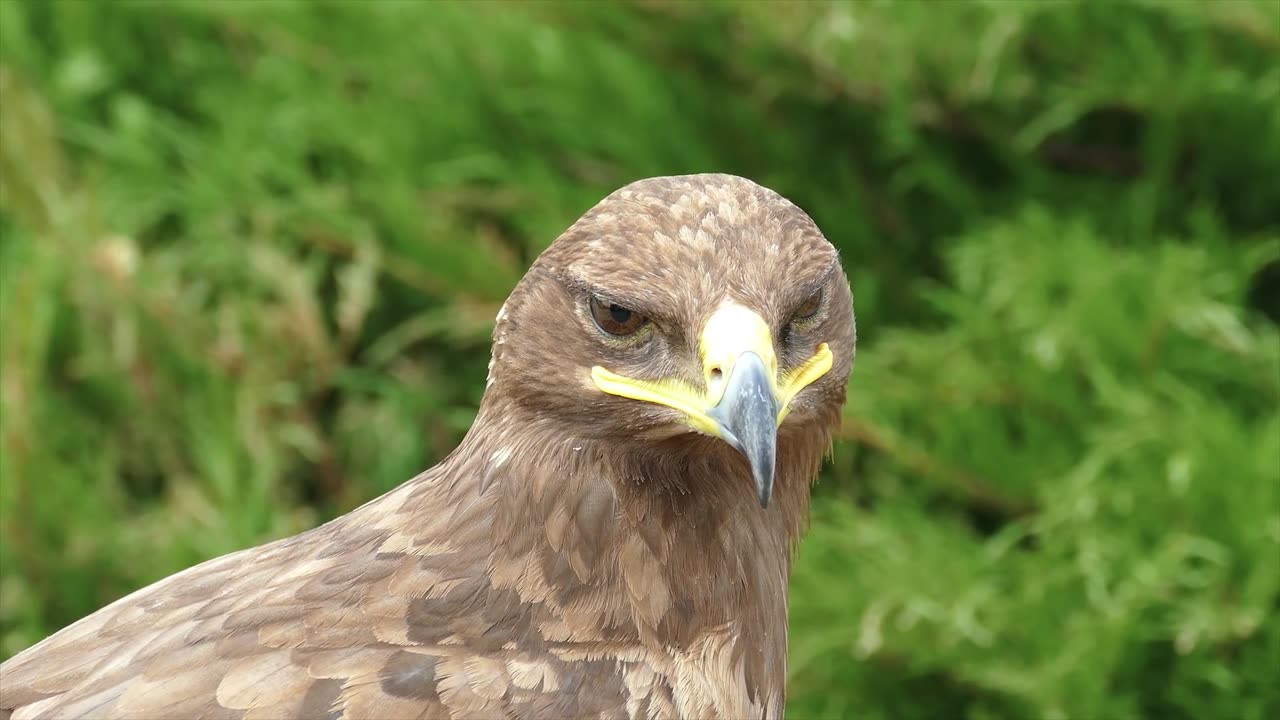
808	309
615	319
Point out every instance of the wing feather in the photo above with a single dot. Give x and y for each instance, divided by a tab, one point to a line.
355	623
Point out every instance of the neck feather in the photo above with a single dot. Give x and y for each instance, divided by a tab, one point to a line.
658	547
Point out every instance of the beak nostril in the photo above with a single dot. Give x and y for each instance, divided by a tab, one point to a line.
715	381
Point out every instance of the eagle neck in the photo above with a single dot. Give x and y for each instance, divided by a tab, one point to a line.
663	548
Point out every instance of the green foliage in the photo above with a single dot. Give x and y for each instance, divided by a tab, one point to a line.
251	253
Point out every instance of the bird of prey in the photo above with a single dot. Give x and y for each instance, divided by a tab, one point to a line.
611	539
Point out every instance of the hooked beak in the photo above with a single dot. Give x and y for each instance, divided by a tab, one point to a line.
743	400
747	417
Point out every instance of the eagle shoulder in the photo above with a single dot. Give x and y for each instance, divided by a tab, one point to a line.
350	620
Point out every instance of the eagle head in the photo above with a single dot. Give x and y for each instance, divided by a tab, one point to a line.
692	313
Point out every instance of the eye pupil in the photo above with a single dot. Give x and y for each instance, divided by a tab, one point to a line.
616	319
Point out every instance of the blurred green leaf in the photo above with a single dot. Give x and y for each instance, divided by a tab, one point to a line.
251	253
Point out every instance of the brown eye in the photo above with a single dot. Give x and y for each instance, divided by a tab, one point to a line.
809	308
616	319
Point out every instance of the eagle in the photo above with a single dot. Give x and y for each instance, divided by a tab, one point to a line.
612	538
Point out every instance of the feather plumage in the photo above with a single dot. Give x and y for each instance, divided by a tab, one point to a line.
564	561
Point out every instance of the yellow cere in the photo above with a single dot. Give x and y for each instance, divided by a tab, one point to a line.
732	330
803	376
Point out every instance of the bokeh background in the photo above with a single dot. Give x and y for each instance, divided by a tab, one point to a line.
252	252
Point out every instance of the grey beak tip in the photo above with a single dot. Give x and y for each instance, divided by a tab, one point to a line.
763	472
747	415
